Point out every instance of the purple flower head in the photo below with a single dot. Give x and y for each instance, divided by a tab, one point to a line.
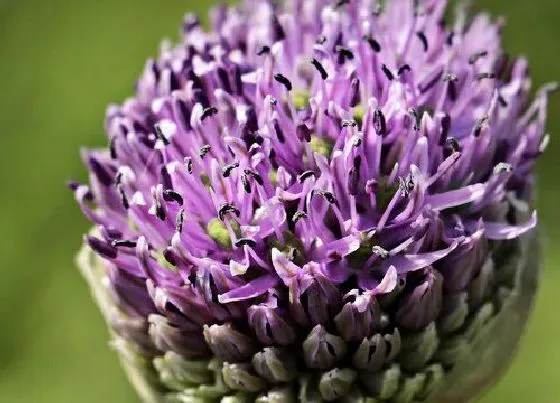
317	199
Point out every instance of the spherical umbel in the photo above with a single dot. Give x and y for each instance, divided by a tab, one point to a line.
319	201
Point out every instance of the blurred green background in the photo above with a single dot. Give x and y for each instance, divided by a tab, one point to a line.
61	62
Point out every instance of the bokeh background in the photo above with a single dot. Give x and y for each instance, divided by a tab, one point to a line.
61	62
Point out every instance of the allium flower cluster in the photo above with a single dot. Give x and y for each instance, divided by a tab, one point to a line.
318	200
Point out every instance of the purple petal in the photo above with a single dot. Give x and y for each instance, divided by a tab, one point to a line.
408	263
501	231
454	198
250	290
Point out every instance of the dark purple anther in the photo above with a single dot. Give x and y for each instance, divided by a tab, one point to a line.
479	125
344	54
245	241
422	36
265	49
226	171
279	132
171	196
379	122
179	221
205	149
373	44
405	68
227	208
123	244
307	174
253	174
284	81
320	69
328	196
387	72
414	113
209	112
299	215
476	56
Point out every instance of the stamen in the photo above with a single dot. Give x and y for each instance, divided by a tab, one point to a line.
416	117
483	76
123	244
160	135
188	164
344	54
476	56
124	199
478	126
387	72
227	208
284	81
226	171
245	241
373	44
279	132
349	123
298	215
422	36
405	68
209	112
380	123
307	174
179	220
204	150
328	196
246	184
254	175
170	195
263	50
320	69
503	167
